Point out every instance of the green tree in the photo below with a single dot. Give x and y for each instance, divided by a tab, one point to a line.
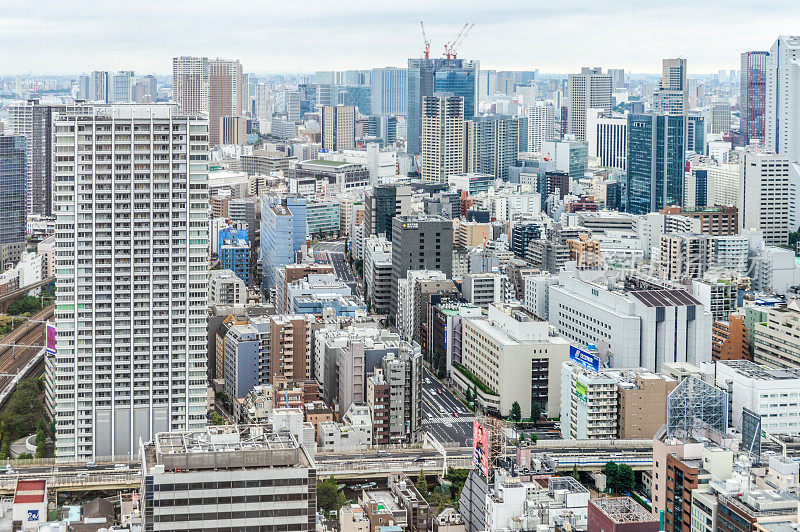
611	471
534	437
216	419
626	479
468	395
329	498
474	393
23	412
516	411
25	456
536	412
575	473
422	483
24	305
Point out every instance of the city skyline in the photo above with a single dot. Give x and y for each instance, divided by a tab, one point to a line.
554	39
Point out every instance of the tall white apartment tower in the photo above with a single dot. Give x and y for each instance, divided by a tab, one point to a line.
442	137
541	124
190	82
782	110
131	203
764	193
591	89
607	138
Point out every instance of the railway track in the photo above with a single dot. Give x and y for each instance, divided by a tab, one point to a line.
29	339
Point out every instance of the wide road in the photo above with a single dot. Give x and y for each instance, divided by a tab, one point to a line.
443	416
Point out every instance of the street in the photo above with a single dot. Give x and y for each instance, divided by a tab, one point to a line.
444	417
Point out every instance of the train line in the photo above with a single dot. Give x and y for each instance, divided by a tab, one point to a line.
22	344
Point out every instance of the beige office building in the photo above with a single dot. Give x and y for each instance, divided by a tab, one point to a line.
442	138
338	127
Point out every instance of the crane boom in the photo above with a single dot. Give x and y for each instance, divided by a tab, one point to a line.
448	46
427	41
460	39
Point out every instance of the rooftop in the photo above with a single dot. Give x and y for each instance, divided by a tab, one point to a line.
30	491
623	510
761	372
665	298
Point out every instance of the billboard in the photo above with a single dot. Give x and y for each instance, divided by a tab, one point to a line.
50	338
580	391
587	359
480	448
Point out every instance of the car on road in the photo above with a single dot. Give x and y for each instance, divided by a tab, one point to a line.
83	474
769	453
382	453
420	459
10	471
455	413
120	467
91	465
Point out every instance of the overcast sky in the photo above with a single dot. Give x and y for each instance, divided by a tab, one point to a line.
558	36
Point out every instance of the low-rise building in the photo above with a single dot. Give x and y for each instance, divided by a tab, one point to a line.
226	288
776	342
620	514
511	357
484	289
228	476
773	394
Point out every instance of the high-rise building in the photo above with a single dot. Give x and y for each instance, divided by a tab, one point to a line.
283	231
190	84
419	243
541	124
12	200
671	97
427	76
764	194
119	380
35	120
338	127
656	152
752	96
591	89
389	91
226	93
289	348
491	144
120	90
84	84
782	108
607	139
99	91
442	137
720	117
617	78
381	204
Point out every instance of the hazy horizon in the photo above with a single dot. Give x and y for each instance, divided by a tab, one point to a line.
77	37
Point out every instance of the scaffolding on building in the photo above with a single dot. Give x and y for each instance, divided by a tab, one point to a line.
623	510
696	405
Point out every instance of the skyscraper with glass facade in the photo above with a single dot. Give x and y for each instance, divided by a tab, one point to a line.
389	91
283	231
426	76
656	156
12	198
752	96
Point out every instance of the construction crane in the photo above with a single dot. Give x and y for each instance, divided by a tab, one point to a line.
451	47
427	51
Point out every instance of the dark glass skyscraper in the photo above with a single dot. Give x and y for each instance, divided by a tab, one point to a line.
12	197
656	157
426	76
752	98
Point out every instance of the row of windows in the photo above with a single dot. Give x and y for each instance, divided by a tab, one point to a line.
252	498
262	483
226	516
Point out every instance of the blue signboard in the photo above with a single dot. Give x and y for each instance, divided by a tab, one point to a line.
585	358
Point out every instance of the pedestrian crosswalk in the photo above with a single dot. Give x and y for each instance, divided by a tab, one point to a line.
438	420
